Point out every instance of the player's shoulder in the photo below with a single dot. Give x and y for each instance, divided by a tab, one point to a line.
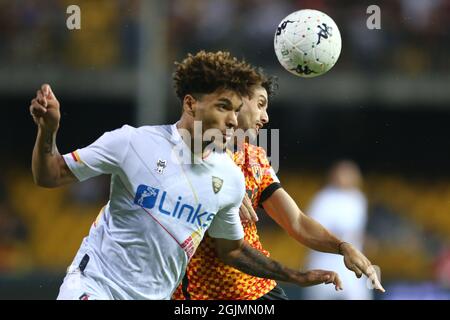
358	195
140	136
156	132
254	148
120	136
230	169
256	153
165	129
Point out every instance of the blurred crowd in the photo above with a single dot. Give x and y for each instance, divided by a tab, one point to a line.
413	39
35	33
13	233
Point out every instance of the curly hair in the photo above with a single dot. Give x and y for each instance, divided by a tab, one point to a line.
206	72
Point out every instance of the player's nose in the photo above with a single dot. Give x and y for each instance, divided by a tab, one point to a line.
264	117
232	121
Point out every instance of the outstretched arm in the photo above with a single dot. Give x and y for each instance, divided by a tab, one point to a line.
283	209
48	166
243	257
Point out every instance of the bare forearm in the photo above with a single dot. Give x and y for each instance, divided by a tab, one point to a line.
313	235
243	257
45	159
253	262
283	209
48	166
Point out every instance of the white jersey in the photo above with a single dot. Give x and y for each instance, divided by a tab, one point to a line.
158	210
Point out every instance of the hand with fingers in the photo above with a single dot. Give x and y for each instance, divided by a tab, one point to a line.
355	261
44	109
246	211
315	277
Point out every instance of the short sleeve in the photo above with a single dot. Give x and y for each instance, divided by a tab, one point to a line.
269	180
104	156
227	223
268	175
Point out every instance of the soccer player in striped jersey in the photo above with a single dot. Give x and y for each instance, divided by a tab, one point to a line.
207	277
161	206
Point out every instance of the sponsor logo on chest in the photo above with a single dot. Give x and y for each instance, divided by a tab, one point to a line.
163	202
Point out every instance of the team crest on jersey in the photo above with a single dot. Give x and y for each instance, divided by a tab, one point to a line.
256	171
160	166
217	184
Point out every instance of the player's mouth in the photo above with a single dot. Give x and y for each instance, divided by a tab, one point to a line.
228	134
259	126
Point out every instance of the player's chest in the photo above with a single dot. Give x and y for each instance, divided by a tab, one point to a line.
253	173
160	180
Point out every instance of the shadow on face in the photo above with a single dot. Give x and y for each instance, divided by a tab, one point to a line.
253	115
217	112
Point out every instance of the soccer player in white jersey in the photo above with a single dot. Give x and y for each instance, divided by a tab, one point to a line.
160	207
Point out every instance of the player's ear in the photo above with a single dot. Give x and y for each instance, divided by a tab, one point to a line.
189	105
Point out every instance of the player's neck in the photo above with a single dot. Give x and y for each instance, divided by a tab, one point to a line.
195	144
236	144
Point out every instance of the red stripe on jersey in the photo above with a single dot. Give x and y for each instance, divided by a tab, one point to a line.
74	156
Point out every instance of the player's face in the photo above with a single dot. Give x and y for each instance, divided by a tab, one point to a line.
219	110
253	115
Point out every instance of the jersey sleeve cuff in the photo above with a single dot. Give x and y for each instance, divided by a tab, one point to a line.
267	192
223	233
79	169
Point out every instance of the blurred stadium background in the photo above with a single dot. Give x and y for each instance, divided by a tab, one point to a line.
386	105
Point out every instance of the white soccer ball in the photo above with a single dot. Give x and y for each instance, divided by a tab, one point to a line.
307	43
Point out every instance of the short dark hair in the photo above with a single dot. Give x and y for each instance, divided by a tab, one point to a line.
268	82
206	72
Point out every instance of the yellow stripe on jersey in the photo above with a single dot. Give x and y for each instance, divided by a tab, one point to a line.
99	216
76	157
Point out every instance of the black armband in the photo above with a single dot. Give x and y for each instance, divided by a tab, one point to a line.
267	192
